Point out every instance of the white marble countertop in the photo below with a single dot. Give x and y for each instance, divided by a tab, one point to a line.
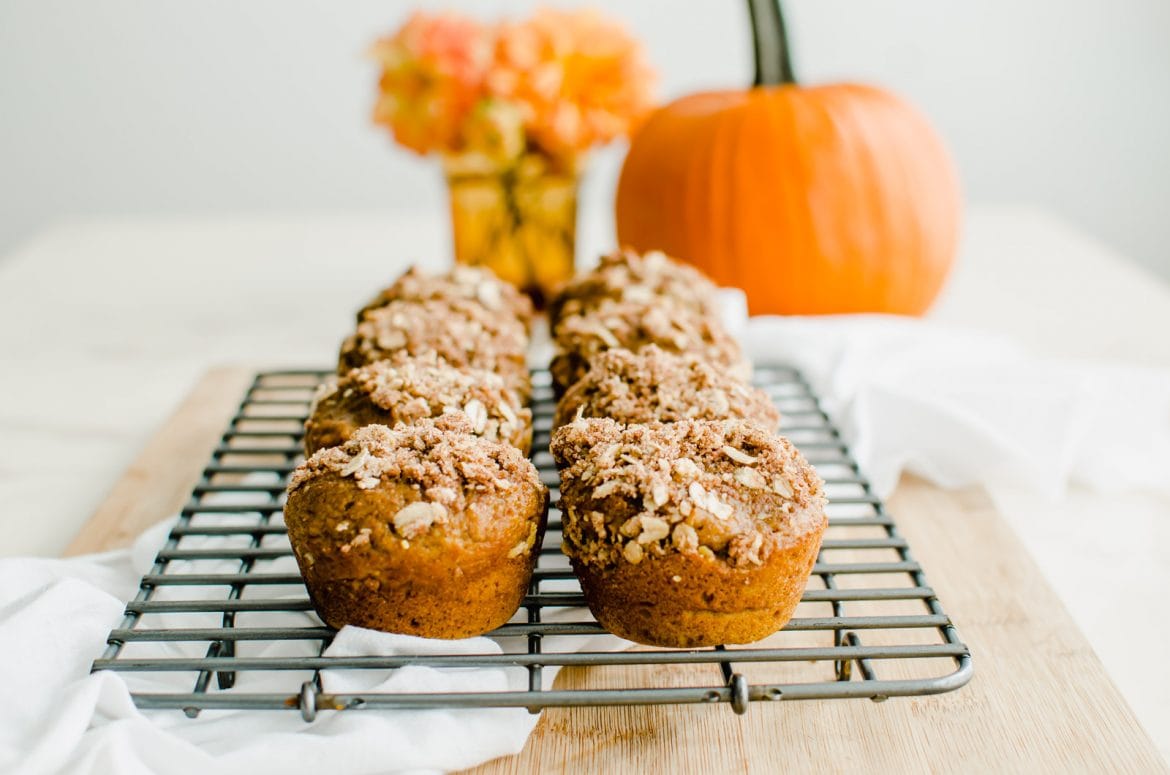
105	325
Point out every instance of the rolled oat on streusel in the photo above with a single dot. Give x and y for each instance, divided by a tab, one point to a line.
466	283
416	389
460	332
653	385
423	529
625	275
634	325
731	509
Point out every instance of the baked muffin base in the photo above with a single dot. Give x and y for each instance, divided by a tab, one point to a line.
461	606
433	587
682	600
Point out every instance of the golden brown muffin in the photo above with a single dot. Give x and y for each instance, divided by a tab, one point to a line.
462	333
688	534
625	275
634	325
652	385
385	393
469	283
423	530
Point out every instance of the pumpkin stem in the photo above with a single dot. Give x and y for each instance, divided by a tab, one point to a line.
773	58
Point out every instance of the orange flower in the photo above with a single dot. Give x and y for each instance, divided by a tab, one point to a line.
433	70
557	83
580	79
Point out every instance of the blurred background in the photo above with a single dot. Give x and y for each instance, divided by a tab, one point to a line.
132	108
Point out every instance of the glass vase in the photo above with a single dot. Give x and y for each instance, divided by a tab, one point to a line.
519	219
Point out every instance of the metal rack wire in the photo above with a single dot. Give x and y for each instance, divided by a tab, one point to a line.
224	599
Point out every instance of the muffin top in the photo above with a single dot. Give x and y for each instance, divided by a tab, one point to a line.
461	332
652	385
467	283
625	275
634	325
425	387
730	491
440	459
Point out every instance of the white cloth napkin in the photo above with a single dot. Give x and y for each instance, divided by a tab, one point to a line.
960	407
957	407
55	614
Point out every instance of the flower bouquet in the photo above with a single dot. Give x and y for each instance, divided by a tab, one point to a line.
512	108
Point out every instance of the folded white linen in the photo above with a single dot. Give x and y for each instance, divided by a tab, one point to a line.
960	407
55	614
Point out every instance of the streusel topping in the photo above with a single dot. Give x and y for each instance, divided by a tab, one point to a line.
462	333
634	325
440	458
653	385
730	491
467	283
426	387
625	275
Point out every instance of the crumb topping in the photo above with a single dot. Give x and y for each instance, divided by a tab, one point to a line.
729	491
426	387
324	392
653	385
462	333
626	275
440	458
467	283
634	325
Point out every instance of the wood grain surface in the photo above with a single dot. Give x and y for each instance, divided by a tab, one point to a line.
1040	700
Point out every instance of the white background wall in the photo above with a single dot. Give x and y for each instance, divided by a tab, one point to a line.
139	107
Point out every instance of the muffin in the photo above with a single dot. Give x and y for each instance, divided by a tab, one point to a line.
385	393
625	275
462	333
687	534
634	325
469	283
421	530
652	385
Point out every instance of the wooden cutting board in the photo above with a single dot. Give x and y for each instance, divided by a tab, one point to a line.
1040	699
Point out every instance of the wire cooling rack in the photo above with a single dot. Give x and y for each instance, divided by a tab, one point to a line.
223	612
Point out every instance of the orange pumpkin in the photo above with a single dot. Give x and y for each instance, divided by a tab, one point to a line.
837	198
